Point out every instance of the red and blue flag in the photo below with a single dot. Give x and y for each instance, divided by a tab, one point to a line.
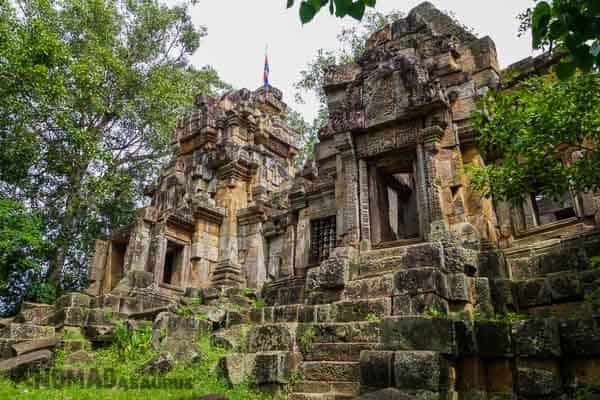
266	72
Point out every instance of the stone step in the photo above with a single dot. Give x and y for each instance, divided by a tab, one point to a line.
320	396
336	351
338	371
378	262
334	332
326	387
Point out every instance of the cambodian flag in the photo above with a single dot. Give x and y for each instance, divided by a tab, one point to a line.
266	72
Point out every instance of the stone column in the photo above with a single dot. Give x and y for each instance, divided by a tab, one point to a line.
288	249
365	218
426	159
346	192
254	245
232	196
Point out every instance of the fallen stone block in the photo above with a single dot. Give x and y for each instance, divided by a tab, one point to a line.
237	368
71	316
73	300
33	313
34	345
26	331
20	366
275	367
269	338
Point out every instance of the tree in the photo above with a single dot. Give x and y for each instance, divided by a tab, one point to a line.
568	26
341	8
22	249
89	96
532	130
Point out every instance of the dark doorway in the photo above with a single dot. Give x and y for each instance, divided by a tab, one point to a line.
173	263
393	200
117	262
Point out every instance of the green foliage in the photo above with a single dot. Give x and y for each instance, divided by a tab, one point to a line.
42	292
306	339
259	303
571	27
372	318
595	262
341	8
129	368
529	128
22	244
91	92
132	344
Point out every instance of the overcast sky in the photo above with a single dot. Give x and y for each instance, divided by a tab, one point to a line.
238	31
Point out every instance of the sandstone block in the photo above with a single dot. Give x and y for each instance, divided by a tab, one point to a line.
458	287
419	281
421	370
20	366
494	339
537	338
269	338
536	382
415	333
71	316
331	371
73	300
359	310
275	367
580	337
376	369
237	368
564	287
533	292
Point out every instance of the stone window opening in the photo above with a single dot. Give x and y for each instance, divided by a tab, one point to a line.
322	239
173	263
547	210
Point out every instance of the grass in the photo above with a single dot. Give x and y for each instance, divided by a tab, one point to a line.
124	361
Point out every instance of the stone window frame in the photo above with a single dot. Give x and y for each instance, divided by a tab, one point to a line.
521	229
184	268
316	255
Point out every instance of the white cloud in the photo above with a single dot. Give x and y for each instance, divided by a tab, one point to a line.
239	29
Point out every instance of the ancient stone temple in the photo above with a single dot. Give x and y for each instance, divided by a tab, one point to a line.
379	266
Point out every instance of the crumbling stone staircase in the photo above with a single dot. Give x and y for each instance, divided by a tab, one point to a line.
410	319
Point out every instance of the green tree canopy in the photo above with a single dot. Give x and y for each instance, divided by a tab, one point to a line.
90	93
543	135
22	244
571	27
341	8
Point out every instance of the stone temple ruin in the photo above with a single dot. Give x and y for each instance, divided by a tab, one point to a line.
379	266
